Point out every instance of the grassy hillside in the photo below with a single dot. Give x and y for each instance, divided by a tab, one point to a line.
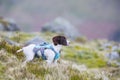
82	60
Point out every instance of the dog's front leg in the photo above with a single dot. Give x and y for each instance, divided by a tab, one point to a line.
48	62
55	62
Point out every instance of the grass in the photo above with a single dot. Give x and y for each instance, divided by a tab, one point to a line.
87	56
68	68
2	70
38	70
10	49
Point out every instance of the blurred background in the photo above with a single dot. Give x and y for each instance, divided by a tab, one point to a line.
92	18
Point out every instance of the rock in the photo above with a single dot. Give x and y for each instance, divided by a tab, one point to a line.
110	46
5	39
12	42
61	26
113	57
7	24
106	46
1	27
35	40
113	54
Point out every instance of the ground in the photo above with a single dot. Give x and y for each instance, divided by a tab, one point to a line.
81	60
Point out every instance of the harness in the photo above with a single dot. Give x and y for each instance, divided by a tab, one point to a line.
42	47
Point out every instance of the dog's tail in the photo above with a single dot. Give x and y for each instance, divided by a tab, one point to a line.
19	50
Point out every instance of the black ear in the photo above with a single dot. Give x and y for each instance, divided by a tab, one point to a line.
55	40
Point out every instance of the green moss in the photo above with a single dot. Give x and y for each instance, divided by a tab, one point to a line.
21	37
2	70
90	62
37	70
11	49
86	56
81	39
93	63
76	75
2	44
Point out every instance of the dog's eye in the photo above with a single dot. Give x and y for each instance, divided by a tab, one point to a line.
45	48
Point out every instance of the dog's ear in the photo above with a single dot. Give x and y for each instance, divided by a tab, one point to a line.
63	40
59	40
55	40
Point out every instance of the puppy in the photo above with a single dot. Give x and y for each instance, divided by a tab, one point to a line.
49	52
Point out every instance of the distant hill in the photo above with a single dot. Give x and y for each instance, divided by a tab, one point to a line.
94	18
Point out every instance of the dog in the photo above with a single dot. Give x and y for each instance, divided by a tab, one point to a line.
49	52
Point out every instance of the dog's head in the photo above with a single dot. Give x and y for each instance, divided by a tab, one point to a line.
60	40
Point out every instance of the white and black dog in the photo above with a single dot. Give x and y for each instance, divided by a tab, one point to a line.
49	52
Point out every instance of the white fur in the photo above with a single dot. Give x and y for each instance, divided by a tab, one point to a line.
29	54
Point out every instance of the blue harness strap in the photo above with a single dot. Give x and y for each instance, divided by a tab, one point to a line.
42	47
42	53
57	55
